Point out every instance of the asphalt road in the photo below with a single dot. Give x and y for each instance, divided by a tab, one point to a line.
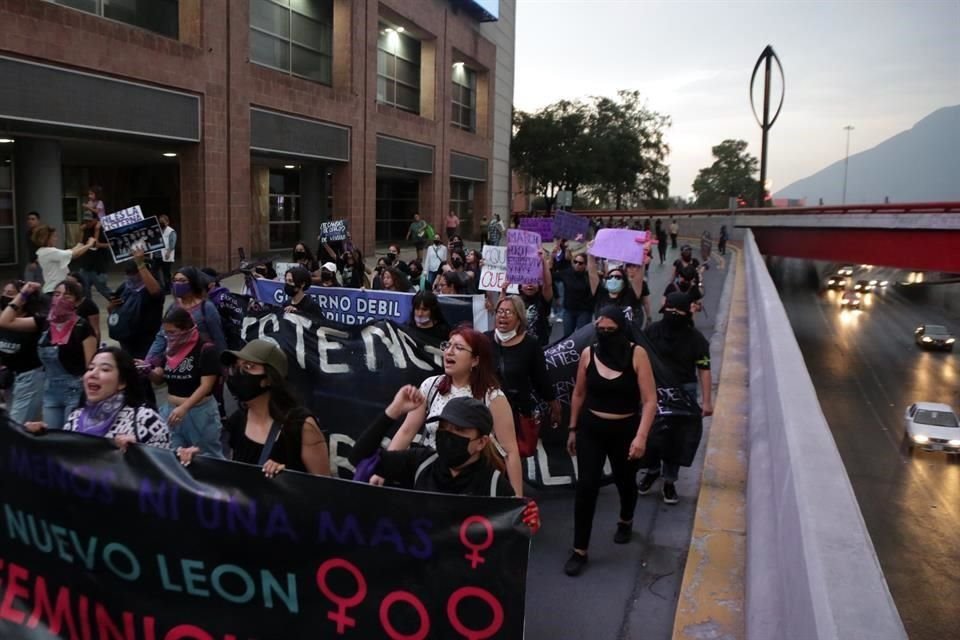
626	591
867	370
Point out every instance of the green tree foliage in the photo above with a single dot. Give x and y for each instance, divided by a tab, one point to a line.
612	150
731	174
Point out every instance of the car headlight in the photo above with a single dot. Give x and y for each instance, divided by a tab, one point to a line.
884	283
919	439
926	339
950	340
954	443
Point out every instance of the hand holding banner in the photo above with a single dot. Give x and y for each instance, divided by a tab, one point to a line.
523	257
623	245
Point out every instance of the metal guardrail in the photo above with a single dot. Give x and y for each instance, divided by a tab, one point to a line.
812	572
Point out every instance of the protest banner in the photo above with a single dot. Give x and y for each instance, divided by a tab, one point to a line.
333	231
622	245
359	306
101	543
523	257
143	234
570	226
494	272
121	218
541	226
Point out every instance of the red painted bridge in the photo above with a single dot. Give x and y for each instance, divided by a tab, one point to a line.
921	236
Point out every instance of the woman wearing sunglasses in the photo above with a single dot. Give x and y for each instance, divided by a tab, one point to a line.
468	371
623	287
614	384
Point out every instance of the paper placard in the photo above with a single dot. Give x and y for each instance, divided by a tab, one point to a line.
523	257
542	226
333	231
121	218
622	245
282	267
144	234
569	226
494	272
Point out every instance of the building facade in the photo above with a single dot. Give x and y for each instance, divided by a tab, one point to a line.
249	122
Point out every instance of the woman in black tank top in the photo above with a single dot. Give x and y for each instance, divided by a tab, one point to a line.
614	384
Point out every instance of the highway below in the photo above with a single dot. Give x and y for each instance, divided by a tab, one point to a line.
867	370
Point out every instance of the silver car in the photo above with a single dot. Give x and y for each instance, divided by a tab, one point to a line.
931	426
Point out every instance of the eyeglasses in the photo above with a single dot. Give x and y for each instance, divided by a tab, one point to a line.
459	348
506	312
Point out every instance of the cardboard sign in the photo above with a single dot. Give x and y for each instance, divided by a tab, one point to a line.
140	234
121	218
523	257
333	231
622	245
282	267
570	226
542	226
494	272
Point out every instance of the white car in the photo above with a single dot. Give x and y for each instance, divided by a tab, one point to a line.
932	426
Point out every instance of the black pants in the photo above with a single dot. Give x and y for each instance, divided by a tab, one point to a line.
673	240
165	271
662	248
598	439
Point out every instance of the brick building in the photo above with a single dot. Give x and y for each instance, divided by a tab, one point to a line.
251	121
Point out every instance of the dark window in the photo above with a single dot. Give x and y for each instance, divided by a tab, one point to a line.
398	69
461	202
8	225
295	36
397	200
284	202
464	101
159	16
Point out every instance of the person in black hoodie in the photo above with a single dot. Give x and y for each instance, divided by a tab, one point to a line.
685	353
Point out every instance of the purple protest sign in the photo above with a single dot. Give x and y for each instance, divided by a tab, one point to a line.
621	245
542	226
523	257
570	226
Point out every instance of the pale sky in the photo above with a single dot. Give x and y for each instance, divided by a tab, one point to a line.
877	65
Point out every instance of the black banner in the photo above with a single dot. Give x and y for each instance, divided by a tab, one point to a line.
348	374
98	544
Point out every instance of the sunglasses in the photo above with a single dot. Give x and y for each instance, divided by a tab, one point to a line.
579	262
614	277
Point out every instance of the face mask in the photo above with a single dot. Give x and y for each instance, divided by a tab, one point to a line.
299	255
613	285
422	321
181	289
505	336
675	320
683	286
457	263
452	450
391	255
245	386
61	309
180	338
290	290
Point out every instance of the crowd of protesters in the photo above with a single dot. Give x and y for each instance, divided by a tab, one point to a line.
465	430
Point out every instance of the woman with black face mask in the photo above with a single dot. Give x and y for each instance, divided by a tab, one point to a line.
614	383
270	429
297	281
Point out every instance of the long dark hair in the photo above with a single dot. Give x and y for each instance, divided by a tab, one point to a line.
483	377
400	281
180	318
128	375
285	408
197	280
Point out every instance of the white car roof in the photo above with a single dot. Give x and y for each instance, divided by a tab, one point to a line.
934	406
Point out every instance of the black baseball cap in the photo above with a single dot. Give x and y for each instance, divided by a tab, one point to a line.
466	413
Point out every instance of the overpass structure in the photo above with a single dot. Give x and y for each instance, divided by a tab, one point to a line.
922	236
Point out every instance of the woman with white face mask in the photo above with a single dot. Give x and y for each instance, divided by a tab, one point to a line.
427	318
522	370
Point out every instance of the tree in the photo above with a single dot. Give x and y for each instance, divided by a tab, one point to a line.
731	174
613	149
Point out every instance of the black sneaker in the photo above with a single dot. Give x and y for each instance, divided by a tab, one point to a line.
624	533
575	564
647	483
670	493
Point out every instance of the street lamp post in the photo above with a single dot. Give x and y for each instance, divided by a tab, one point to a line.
846	161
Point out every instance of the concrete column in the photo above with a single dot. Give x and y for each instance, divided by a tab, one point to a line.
39	185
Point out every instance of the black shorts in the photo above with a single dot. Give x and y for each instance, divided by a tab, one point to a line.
419	244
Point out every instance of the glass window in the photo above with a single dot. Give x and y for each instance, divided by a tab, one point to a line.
461	202
159	16
284	203
398	69
464	97
8	225
293	36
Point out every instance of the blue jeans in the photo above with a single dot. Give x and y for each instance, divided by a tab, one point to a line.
61	395
199	428
27	396
573	320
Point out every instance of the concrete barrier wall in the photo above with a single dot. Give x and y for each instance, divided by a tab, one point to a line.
812	572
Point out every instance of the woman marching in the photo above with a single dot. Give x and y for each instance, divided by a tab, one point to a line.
614	382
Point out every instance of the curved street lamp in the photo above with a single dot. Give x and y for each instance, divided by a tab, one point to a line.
766	57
